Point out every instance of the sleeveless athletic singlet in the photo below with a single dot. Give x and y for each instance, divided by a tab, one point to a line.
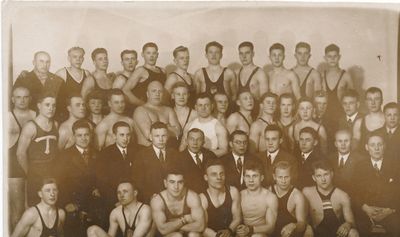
303	85
208	129
220	217
364	133
247	85
334	106
15	169
284	216
185	210
46	231
141	87
72	86
245	119
130	229
214	87
330	223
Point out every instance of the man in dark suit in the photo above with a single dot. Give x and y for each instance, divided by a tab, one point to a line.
351	104
234	161
274	154
344	160
151	163
79	194
376	191
390	130
308	140
114	164
323	118
192	160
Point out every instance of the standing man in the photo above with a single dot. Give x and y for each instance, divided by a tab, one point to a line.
32	222
391	131
177	210
221	203
287	108
310	79
220	109
330	207
257	86
215	78
259	205
37	146
39	80
152	161
242	119
351	104
136	86
128	62
193	160
281	80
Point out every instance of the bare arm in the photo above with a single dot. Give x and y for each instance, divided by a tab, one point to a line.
208	232
169	83
27	134
87	87
142	122
347	212
345	84
254	138
61	73
25	223
119	82
144	222
101	133
113	228
230	84
270	216
132	83
357	133
199	81
231	123
236	209
294	82
173	123
291	136
160	219
301	212
222	137
183	144
196	212
315	84
62	137
323	139
262	79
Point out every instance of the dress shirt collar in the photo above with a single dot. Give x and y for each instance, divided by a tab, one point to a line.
352	118
122	149
80	149
193	155
273	155
345	157
378	163
306	155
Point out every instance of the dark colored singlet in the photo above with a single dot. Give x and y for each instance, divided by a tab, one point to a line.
15	169
219	218
364	133
130	229
46	231
72	86
247	85
334	107
330	223
284	216
141	87
104	93
245	119
169	215
303	85
214	87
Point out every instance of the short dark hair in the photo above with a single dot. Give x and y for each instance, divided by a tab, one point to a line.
179	49
215	44
46	180
303	45
94	95
196	130
149	45
305	99
237	132
46	94
332	47
283	164
277	46
128	51
373	90
273	127
321	164
321	93
119	124
288	96
72	95
204	95
81	123
114	91
375	133
76	48
180	84
98	51
311	131
158	125
255	165
213	162
268	94
129	181
246	44
391	105
173	169
351	93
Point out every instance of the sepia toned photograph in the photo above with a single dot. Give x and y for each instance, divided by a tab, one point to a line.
189	119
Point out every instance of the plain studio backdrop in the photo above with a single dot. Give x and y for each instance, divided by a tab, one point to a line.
367	36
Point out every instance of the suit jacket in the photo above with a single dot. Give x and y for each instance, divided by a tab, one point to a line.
343	176
148	171
77	180
232	176
111	168
194	175
269	167
381	188
392	142
305	170
343	124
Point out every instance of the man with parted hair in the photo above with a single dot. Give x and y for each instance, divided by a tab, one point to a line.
215	78
281	80
309	78
94	103
136	86
129	62
391	130
351	104
33	221
221	106
287	108
180	74
242	119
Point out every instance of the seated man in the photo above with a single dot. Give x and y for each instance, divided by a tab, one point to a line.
221	106
242	119
330	208
104	133
177	210
131	216
94	102
153	111
32	222
220	202
259	205
292	208
376	193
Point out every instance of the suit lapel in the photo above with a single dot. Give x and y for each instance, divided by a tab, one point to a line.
77	159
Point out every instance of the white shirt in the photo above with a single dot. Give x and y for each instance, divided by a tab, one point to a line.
122	150
273	155
345	158
305	155
378	163
157	151
194	156
80	149
352	118
391	130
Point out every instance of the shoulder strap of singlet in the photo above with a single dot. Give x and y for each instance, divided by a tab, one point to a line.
240	71
134	220
222	74
16	120
245	119
308	74
43	223
262	120
137	213
325	196
319	127
124	76
340	78
251	76
187	118
185	206
206	77
183	78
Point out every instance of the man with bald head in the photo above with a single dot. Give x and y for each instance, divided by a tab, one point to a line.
39	79
153	111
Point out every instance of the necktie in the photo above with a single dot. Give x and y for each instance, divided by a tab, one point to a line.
376	167
85	156
124	155
304	158
161	156
198	161
349	122
341	163
239	165
269	160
